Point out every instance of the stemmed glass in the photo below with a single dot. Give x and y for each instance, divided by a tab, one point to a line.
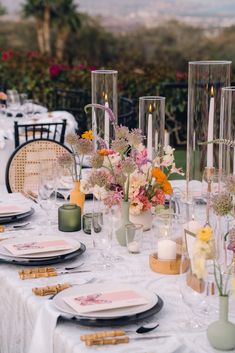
64	182
13	100
101	232
195	293
46	191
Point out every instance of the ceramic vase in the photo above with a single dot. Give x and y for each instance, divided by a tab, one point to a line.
145	218
221	333
121	231
76	196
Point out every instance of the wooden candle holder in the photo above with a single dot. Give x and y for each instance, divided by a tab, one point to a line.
167	267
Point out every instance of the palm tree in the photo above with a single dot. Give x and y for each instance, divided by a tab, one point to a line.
65	19
41	11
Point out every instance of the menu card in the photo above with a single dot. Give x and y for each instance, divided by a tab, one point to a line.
10	208
105	300
33	247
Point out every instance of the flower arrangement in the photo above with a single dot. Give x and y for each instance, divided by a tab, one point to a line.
80	146
203	249
123	171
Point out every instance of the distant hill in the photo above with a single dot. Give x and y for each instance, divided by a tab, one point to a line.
210	13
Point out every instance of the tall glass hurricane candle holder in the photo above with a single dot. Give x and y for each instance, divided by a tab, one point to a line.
104	91
205	82
227	130
152	122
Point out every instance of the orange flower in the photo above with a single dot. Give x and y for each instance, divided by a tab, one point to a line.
103	152
158	174
88	135
167	188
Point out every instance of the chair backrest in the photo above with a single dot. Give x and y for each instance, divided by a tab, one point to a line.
52	131
23	168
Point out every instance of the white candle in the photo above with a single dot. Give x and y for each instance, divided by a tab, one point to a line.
133	247
233	161
150	134
166	138
106	121
210	134
166	249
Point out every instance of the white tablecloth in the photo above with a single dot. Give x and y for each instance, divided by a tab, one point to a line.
19	308
7	145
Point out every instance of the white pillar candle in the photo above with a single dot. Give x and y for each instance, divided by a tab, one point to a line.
166	249
233	161
166	138
150	134
210	135
106	121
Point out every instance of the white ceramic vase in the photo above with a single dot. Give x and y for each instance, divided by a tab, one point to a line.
144	218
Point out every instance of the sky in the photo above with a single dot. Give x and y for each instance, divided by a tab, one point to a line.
132	7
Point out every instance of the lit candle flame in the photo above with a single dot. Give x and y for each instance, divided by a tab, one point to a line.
150	108
212	91
106	97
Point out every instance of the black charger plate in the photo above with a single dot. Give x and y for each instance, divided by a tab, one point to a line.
121	321
17	217
48	261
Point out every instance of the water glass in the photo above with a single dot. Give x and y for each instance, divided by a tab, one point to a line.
134	238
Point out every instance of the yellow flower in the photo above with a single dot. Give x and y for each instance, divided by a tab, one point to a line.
205	234
88	135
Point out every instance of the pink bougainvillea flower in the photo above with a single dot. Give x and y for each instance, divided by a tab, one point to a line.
5	56
54	70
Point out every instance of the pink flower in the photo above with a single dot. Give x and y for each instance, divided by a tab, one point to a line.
5	56
141	158
82	67
145	201
54	70
159	197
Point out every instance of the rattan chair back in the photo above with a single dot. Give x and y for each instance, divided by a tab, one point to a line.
23	168
53	131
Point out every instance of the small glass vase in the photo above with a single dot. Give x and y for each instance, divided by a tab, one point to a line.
121	231
221	333
76	196
145	218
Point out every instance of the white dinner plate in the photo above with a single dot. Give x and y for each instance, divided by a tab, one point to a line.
105	314
75	245
18	210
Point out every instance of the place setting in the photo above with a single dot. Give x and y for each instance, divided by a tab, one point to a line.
40	250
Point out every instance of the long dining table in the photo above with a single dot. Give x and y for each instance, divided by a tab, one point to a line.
25	317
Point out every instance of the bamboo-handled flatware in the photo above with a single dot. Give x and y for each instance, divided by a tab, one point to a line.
39	272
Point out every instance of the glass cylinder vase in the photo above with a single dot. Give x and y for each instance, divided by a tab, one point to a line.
104	92
227	130
152	122
205	82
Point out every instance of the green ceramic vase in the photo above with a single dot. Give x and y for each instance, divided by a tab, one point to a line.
121	231
221	333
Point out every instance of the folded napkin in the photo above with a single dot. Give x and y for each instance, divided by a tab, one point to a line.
43	335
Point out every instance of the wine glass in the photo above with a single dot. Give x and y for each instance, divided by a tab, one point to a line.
195	294
65	182
101	233
46	191
13	100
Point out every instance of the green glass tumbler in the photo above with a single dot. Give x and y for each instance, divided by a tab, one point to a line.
69	218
